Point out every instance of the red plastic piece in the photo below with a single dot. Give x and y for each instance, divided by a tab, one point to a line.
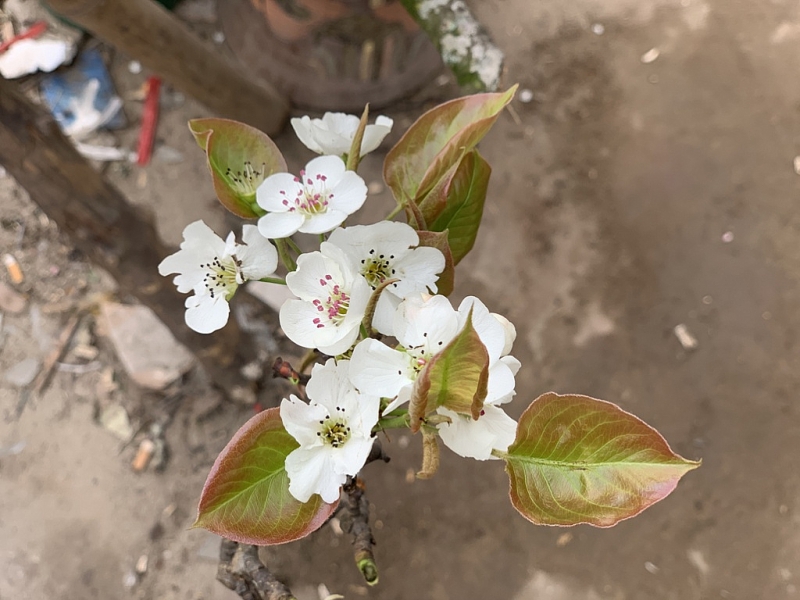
149	119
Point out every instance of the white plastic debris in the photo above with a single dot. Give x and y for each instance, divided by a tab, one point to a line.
687	340
650	56
135	67
87	118
28	56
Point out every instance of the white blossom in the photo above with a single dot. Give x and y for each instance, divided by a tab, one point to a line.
423	326
334	133
332	302
214	269
388	250
317	201
334	431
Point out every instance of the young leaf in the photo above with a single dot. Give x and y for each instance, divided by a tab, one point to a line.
246	496
581	460
437	141
240	157
438	239
456	378
463	209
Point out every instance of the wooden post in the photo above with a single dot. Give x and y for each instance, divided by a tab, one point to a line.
99	222
152	35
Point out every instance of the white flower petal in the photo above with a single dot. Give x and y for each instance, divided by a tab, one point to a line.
301	420
323	222
374	134
329	383
331	167
510	333
430	322
297	321
350	458
311	471
304	132
501	383
494	430
489	329
348	193
277	225
341	123
378	370
200	245
385	309
276	189
258	256
417	271
313	269
345	340
512	363
205	314
403	396
385	237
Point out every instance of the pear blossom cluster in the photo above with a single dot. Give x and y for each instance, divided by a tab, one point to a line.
367	299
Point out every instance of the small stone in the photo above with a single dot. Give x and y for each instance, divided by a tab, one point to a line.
375	188
218	37
114	418
727	237
336	526
146	348
135	67
130	580
651	568
687	340
23	373
252	371
143	455
141	564
650	56
598	29
707	299
564	539
167	155
11	301
797	164
525	96
411	475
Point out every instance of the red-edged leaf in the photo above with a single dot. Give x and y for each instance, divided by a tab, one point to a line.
246	496
438	240
463	210
438	140
240	157
581	460
456	378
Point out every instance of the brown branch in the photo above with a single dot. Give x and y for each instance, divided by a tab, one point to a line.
355	520
284	370
250	579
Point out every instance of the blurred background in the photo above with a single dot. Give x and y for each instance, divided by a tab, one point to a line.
645	178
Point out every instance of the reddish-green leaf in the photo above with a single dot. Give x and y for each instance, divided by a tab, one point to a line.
463	209
438	240
240	157
246	496
437	141
581	460
456	378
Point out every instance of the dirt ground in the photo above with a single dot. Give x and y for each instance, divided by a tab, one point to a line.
627	197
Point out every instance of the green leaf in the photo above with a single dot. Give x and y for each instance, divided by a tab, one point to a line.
581	460
437	141
240	157
438	240
456	378
463	209
246	496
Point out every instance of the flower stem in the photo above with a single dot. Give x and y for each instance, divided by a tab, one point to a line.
394	213
295	248
277	280
396	422
284	255
500	454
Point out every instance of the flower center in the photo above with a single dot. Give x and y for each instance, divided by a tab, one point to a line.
377	268
312	199
334	431
418	356
332	309
246	181
223	276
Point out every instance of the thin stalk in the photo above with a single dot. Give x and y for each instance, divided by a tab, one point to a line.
283	253
277	280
